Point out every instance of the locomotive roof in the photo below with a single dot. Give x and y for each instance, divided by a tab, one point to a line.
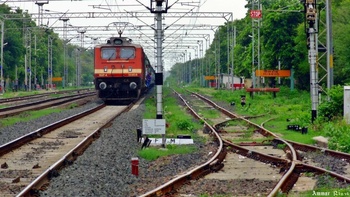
124	42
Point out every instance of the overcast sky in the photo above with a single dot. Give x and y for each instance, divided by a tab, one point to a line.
233	6
236	7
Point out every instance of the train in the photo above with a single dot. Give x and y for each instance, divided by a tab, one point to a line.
122	71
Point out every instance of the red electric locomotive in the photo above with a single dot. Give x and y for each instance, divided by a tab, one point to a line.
122	70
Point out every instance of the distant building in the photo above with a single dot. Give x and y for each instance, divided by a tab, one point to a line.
226	80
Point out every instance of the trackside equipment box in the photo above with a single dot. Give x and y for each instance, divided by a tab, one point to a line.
347	104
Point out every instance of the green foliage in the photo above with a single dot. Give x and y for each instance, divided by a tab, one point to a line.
326	181
338	134
184	124
72	106
153	153
283	39
281	146
333	107
27	116
288	108
15	51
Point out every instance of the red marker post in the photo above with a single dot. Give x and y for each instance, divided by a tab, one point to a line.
135	166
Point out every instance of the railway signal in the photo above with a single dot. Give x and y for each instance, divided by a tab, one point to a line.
311	31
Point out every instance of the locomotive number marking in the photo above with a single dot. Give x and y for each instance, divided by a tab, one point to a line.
102	75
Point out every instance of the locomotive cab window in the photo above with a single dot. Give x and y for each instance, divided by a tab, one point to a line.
147	63
108	53
127	53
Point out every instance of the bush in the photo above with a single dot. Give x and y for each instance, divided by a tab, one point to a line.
185	125
339	135
334	107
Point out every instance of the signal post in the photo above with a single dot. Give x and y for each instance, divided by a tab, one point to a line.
157	8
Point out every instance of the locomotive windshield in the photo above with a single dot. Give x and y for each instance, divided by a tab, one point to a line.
127	53
120	53
108	53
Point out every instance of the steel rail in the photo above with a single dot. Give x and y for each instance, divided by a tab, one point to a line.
36	185
326	151
213	164
257	155
7	147
47	100
10	111
302	167
293	158
18	98
307	148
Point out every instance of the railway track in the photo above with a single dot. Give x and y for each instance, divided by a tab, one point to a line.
290	165
29	162
18	99
296	166
42	103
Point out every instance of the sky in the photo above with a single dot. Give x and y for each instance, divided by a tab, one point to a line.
236	7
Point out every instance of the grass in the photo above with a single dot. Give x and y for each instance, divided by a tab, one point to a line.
293	106
209	113
19	94
180	122
10	94
153	153
72	106
276	112
27	116
288	108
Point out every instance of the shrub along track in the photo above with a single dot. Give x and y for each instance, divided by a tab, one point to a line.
28	162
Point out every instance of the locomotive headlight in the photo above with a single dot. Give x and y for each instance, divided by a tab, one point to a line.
103	85
133	85
130	69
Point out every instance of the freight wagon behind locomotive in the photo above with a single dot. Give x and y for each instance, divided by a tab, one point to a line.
122	70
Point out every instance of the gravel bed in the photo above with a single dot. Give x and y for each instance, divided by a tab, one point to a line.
325	161
19	129
105	167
